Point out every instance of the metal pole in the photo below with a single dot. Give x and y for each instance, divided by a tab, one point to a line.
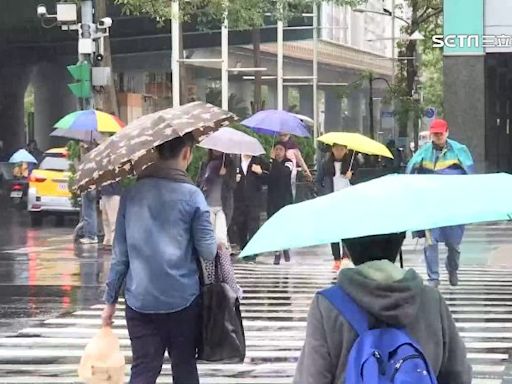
175	52
393	43
225	60
280	55
370	105
87	18
315	73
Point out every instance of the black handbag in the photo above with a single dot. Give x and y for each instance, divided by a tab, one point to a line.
222	333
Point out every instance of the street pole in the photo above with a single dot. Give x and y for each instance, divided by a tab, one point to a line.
280	54
393	41
315	75
87	20
175	52
370	106
225	60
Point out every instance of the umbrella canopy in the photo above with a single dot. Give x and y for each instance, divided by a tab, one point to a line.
132	149
390	204
22	156
91	120
75	134
356	142
229	140
273	122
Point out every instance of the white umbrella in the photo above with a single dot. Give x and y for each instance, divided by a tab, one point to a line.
229	140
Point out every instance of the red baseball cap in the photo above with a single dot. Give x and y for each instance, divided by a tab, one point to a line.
439	126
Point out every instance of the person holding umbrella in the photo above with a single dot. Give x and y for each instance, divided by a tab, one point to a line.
334	175
249	178
279	188
443	157
217	182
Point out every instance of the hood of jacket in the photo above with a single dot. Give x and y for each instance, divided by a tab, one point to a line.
385	291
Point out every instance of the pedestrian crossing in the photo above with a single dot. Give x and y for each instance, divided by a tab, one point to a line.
275	305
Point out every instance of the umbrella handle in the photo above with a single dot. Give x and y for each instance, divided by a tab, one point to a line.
352	160
401	259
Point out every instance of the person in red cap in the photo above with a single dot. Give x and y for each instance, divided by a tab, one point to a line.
444	157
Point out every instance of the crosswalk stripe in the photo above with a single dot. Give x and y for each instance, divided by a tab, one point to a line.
275	306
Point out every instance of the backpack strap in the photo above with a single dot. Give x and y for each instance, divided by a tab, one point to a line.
347	307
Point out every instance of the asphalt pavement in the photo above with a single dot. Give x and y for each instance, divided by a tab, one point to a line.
50	305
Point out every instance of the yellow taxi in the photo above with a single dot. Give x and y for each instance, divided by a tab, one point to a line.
48	191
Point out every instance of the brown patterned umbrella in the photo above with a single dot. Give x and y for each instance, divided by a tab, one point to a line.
132	149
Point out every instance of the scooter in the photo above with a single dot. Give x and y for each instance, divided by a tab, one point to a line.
18	192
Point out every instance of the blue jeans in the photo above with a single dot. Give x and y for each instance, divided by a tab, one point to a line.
89	214
432	259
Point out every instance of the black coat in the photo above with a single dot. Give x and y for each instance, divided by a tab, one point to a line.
324	177
248	191
279	186
228	186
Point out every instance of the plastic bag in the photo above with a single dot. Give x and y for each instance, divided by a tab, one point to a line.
102	361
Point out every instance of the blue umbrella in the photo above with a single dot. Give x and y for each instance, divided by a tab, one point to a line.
390	204
22	156
273	122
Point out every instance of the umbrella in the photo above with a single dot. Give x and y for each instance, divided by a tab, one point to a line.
79	135
356	142
273	122
22	156
132	149
87	125
390	204
229	140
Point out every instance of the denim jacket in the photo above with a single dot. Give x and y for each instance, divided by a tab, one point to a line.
162	227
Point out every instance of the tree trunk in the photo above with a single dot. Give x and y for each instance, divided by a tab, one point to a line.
257	104
107	99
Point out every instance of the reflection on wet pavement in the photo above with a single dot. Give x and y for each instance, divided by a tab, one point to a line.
51	293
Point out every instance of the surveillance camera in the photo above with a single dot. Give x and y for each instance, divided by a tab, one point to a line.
99	57
41	11
106	22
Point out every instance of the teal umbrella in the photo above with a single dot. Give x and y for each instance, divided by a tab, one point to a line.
390	204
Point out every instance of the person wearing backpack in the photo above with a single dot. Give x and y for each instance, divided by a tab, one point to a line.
380	324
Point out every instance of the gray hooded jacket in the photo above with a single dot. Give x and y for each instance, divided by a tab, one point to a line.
391	296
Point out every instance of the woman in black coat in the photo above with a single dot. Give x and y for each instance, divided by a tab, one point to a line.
333	175
217	181
279	188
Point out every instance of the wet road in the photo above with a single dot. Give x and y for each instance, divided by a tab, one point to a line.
42	274
50	303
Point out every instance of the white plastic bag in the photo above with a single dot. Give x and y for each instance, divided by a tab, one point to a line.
102	361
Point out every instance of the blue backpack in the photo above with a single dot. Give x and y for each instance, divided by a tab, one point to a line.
379	356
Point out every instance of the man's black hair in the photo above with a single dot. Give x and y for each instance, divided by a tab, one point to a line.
171	149
373	248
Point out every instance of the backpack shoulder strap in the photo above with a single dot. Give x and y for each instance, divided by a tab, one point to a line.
347	307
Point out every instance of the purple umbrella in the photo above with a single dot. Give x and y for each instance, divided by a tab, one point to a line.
273	122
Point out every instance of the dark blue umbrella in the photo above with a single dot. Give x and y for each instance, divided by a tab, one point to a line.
274	122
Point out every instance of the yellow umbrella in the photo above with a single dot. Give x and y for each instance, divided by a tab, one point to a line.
357	143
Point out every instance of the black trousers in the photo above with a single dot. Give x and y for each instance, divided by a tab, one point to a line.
152	335
247	221
337	251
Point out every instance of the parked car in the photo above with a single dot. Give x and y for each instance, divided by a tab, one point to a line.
48	191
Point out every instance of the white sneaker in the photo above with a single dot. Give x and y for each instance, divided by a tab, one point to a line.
87	240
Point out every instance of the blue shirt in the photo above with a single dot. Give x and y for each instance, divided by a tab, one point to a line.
162	227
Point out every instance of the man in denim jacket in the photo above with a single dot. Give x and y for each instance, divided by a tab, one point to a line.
162	228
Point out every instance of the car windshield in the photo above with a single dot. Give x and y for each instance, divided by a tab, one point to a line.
55	164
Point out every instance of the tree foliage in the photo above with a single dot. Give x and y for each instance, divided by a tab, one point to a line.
242	14
426	17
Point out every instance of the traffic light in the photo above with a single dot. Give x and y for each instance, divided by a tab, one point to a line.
82	73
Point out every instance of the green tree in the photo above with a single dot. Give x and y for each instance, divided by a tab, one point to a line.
426	17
